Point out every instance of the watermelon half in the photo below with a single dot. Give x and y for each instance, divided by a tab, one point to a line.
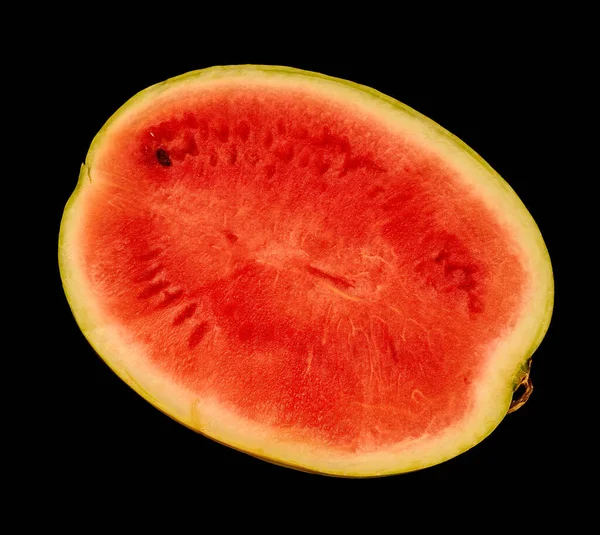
305	269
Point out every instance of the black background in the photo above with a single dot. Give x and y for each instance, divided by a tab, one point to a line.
105	434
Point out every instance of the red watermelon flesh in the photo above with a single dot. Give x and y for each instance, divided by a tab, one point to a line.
305	270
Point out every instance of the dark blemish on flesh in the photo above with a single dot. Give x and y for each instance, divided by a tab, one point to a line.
163	158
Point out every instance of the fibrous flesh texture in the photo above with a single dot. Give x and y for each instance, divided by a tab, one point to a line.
305	270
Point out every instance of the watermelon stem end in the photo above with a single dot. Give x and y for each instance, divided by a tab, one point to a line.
525	386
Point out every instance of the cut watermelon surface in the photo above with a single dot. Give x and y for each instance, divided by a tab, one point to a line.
305	269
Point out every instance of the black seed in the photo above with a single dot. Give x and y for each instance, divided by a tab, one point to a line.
163	157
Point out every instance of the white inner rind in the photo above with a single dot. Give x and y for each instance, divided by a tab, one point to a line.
493	391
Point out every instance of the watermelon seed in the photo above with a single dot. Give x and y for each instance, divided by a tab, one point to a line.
231	237
163	158
147	256
185	314
170	298
198	334
153	289
148	275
